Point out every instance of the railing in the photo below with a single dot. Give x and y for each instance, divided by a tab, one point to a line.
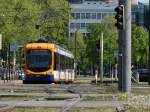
9	74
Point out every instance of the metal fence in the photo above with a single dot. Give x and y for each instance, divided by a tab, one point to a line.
8	74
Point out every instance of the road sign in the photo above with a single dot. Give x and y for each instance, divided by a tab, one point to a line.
116	54
14	47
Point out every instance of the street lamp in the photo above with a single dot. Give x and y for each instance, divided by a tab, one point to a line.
75	49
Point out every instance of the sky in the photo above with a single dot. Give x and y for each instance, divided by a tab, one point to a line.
145	1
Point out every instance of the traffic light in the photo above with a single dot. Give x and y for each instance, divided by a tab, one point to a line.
119	17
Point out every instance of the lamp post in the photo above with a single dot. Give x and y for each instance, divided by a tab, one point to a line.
75	50
75	44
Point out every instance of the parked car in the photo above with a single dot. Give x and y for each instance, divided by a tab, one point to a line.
143	74
20	74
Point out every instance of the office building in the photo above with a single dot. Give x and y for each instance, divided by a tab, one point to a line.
85	12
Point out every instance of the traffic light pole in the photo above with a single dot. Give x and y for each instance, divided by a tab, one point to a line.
120	59
123	24
127	48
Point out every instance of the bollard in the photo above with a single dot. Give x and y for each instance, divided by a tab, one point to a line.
96	75
137	77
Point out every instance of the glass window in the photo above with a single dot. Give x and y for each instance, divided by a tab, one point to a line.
99	16
62	62
72	25
93	15
77	26
76	1
88	15
73	15
83	15
104	14
83	25
77	16
71	64
57	61
39	61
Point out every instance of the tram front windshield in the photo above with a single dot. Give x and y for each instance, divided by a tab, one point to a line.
39	61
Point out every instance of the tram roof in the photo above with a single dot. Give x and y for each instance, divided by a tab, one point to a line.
63	51
56	47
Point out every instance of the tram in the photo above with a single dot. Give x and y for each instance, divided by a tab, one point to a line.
48	63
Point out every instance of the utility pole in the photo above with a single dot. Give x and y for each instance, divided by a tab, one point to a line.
101	57
8	75
120	55
127	48
123	24
75	42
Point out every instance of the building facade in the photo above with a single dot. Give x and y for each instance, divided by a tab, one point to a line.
142	14
85	12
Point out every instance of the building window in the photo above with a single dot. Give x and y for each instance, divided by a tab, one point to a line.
133	18
76	1
88	15
83	15
104	14
73	15
99	16
93	15
72	25
77	16
77	25
83	25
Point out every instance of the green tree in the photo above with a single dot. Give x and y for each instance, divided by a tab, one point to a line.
53	19
80	50
139	46
19	20
110	41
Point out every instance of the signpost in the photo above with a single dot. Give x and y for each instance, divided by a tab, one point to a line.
14	48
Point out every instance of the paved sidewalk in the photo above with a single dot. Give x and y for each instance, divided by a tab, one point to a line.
11	82
62	103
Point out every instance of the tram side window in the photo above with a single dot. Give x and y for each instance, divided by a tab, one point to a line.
71	63
62	62
68	63
65	62
57	61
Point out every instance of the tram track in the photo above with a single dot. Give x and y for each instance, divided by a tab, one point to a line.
63	96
